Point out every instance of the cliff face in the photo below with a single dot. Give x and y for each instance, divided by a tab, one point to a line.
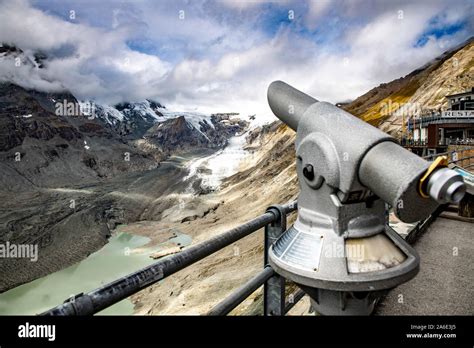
179	135
423	90
50	150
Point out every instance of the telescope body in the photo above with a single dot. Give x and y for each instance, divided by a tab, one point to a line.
347	171
350	155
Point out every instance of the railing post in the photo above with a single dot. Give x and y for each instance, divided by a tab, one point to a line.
274	287
387	214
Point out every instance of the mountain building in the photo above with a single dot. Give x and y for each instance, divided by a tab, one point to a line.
434	132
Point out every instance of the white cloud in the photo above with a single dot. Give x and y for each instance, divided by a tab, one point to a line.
316	10
249	4
379	51
224	59
100	64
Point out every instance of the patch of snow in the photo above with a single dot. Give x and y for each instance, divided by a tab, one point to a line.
108	113
257	120
145	109
192	118
221	164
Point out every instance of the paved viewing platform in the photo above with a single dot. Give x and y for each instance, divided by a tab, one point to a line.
444	285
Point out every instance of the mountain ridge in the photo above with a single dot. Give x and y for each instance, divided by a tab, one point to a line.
422	90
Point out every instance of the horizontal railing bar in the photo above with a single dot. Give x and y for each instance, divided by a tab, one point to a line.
461	159
237	297
298	295
447	153
103	297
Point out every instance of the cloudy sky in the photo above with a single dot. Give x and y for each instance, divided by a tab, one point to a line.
221	55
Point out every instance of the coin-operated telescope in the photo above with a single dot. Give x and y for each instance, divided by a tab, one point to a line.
340	251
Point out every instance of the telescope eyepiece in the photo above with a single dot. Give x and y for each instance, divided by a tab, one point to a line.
446	186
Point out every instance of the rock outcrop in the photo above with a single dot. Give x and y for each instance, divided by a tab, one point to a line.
179	135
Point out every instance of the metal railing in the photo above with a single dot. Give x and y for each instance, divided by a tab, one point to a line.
438	119
453	156
465	162
411	142
273	220
441	143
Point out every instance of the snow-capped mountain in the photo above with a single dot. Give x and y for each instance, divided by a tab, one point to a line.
139	116
130	120
146	124
168	130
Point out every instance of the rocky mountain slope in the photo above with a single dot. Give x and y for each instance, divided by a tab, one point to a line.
179	135
67	178
129	121
267	176
421	91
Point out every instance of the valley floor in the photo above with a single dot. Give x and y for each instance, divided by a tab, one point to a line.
154	203
69	223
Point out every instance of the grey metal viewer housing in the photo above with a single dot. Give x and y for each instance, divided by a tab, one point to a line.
339	250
